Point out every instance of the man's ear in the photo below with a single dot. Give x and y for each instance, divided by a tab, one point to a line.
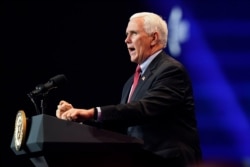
155	38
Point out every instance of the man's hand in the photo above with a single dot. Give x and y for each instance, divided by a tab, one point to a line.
66	111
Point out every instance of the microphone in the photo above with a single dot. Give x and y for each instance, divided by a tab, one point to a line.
54	82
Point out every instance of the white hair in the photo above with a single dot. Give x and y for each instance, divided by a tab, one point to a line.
154	23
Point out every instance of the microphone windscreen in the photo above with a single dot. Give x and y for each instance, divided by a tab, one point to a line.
59	80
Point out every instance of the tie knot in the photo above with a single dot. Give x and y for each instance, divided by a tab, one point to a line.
138	69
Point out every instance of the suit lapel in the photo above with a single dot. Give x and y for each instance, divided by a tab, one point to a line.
147	74
141	82
126	90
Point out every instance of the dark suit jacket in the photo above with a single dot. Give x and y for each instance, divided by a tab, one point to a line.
161	111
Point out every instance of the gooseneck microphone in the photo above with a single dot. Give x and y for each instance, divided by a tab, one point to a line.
41	90
54	82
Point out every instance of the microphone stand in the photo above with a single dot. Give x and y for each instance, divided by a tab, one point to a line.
41	91
43	104
40	109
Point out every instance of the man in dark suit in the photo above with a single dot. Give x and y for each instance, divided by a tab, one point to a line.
160	111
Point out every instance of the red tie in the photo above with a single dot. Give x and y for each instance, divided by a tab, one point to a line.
136	79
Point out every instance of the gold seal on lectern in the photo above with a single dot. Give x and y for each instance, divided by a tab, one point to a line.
20	129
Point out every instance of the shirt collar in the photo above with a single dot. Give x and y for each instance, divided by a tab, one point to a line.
146	63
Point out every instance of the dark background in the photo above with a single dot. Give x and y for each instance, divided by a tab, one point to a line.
85	41
82	39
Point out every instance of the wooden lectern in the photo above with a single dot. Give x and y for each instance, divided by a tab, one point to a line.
51	142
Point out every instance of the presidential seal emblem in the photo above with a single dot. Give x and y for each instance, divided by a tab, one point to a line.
20	129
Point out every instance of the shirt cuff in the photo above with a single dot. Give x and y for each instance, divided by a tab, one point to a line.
97	113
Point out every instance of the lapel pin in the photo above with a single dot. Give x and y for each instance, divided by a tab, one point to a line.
143	78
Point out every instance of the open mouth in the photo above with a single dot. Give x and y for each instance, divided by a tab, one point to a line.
131	49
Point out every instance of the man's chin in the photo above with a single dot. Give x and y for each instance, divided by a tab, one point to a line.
133	59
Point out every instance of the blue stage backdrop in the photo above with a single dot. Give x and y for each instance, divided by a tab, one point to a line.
211	38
